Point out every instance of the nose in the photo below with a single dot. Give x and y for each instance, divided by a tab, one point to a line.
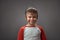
32	18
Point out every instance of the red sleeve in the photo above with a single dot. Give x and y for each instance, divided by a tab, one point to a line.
43	36
20	34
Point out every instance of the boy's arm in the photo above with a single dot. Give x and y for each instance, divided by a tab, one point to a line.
20	34
43	36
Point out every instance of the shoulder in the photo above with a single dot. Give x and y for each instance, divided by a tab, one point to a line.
22	28
40	27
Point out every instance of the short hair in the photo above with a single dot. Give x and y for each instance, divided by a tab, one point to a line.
31	10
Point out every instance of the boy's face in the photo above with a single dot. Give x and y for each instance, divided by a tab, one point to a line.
31	18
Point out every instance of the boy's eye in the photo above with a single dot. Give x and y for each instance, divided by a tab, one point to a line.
34	17
29	16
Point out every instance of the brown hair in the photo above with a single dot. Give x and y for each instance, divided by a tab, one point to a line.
31	10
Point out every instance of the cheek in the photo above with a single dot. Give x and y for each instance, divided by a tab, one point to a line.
31	20
28	19
34	20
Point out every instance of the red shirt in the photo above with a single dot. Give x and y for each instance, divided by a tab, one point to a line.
21	33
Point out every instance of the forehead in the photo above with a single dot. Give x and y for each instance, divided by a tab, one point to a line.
31	14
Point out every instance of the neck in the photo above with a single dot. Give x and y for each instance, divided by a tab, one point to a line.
31	25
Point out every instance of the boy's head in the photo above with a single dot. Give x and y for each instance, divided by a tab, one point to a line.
31	15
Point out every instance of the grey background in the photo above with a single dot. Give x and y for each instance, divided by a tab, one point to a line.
12	17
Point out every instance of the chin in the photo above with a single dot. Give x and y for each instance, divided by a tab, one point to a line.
32	23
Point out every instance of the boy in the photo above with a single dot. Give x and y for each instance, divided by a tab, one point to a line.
31	31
